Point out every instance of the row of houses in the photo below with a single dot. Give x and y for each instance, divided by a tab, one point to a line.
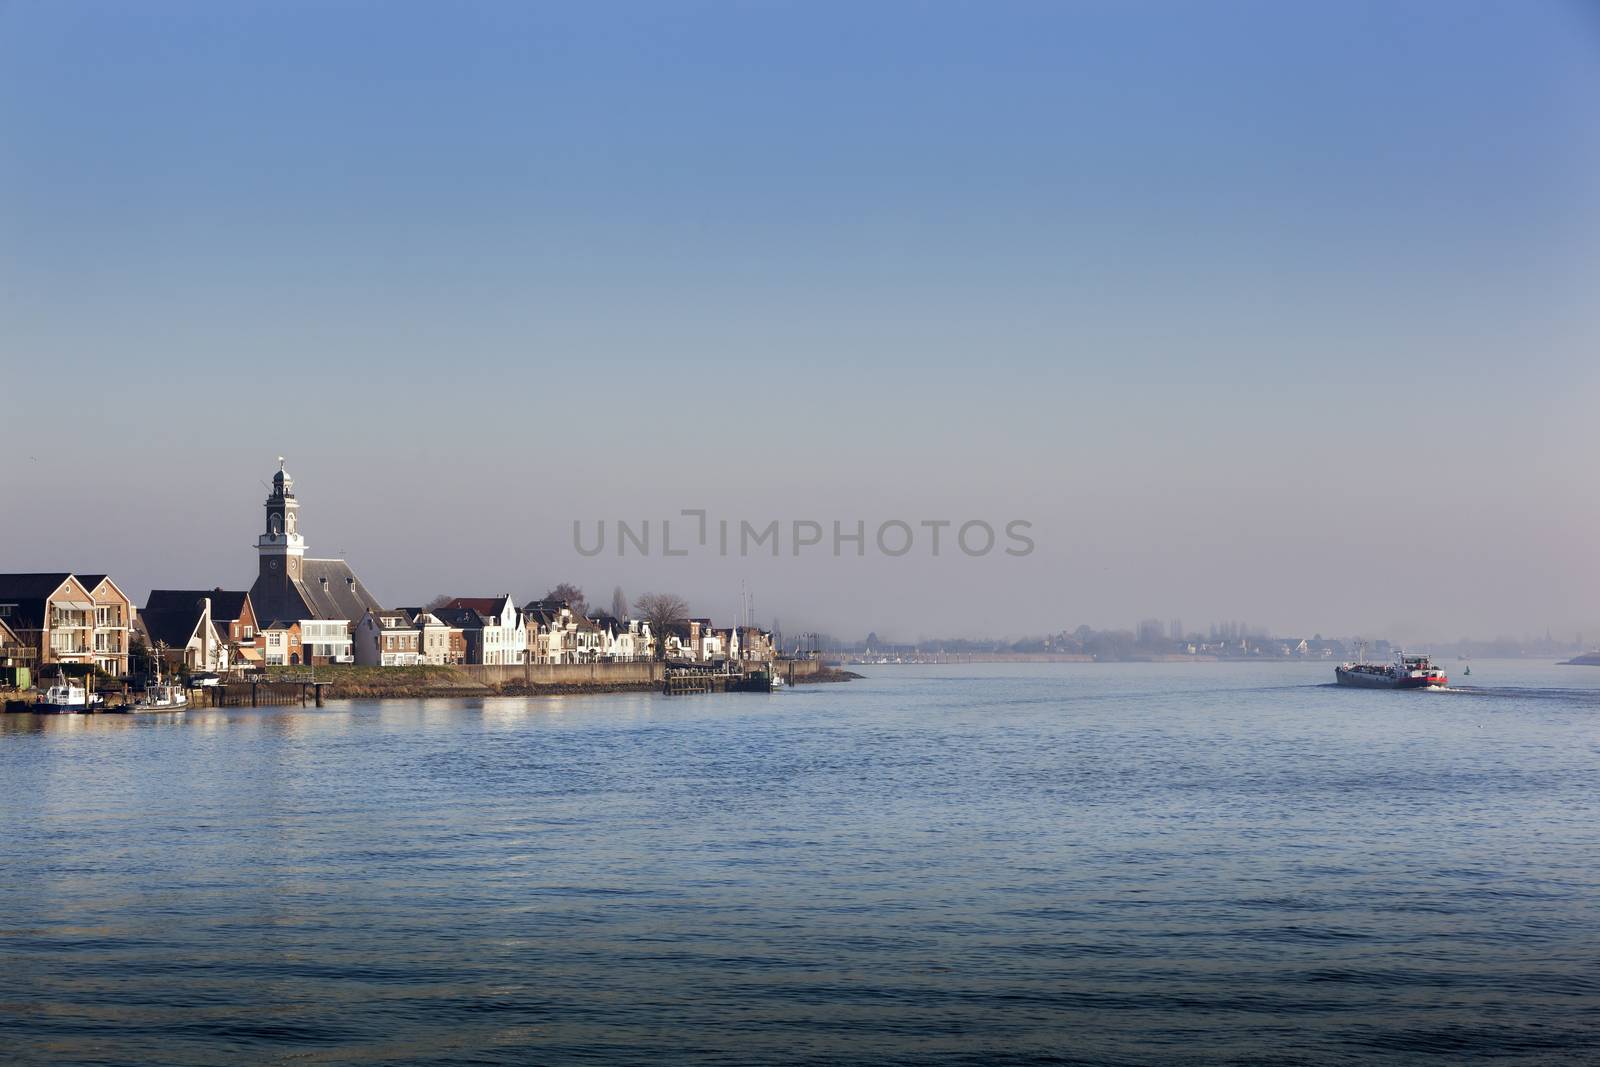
65	618
307	611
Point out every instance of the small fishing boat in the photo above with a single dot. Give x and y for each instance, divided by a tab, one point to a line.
162	696
67	698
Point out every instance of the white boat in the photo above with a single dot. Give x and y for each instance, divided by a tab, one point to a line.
67	698
163	696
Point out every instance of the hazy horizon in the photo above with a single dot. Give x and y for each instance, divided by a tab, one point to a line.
1275	313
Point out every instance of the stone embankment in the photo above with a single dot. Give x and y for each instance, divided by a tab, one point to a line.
469	680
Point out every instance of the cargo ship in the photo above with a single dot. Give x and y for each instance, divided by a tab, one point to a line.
1406	672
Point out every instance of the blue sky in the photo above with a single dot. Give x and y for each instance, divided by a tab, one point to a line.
1232	301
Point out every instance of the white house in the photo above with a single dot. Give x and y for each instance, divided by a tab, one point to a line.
433	638
326	641
493	627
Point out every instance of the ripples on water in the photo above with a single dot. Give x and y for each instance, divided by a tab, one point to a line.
1039	864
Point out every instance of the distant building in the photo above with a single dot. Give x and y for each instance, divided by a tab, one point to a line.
290	586
551	634
622	640
682	640
755	644
66	618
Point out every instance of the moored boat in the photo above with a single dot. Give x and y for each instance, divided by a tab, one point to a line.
1406	672
67	698
162	696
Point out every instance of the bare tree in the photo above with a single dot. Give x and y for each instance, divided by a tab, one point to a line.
662	611
619	604
572	595
437	602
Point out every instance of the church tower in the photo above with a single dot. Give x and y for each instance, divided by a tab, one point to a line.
280	548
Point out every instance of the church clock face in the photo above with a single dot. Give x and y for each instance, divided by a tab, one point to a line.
273	564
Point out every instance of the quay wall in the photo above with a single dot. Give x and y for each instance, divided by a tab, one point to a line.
574	674
473	679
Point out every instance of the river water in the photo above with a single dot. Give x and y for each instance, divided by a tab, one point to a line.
1207	863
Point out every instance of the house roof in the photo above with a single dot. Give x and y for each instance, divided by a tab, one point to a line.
31	586
226	604
8	636
29	593
466	618
486	605
174	628
543	612
279	624
391	620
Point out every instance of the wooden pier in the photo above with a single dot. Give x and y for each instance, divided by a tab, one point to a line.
682	678
258	694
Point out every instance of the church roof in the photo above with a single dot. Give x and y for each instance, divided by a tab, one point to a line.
331	590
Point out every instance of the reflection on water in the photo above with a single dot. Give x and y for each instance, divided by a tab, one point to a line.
958	864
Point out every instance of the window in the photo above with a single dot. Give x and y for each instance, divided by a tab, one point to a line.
249	633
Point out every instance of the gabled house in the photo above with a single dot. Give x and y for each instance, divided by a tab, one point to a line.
185	637
551	634
726	643
624	640
113	623
755	644
437	641
64	618
492	626
708	642
387	639
278	644
232	613
681	640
